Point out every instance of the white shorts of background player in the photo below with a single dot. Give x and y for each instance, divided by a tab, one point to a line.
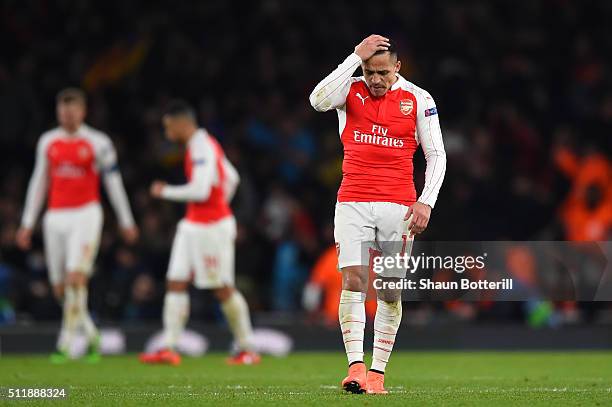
71	238
204	251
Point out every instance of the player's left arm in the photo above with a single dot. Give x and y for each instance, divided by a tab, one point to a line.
113	183
429	135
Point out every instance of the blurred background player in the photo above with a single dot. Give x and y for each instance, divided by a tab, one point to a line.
205	238
383	118
69	160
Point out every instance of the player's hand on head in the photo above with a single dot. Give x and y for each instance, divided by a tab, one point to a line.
156	188
420	213
24	238
370	45
130	234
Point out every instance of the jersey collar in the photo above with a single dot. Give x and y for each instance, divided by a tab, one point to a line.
199	132
79	132
399	82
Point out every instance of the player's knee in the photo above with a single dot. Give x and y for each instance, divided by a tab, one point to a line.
58	292
76	279
224	293
389	295
176	286
355	278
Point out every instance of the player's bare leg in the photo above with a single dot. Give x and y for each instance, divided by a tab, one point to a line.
236	311
58	292
386	323
175	316
351	313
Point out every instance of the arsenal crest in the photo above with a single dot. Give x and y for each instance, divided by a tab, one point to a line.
406	106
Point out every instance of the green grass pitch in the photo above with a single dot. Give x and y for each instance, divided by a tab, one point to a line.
413	378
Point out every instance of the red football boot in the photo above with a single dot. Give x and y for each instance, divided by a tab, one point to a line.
161	357
244	358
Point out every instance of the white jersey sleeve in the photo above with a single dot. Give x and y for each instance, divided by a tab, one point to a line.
113	183
332	91
39	183
232	179
203	174
429	135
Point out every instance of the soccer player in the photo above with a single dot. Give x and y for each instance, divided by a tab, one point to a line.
382	120
69	162
204	240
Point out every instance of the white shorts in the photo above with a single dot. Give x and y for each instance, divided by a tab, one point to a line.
204	251
366	229
71	238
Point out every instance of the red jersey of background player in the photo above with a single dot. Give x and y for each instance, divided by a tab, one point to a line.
70	166
215	207
212	180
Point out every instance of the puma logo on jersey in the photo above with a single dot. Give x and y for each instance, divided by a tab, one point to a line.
363	99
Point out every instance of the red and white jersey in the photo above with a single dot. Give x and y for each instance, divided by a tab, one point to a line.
212	180
380	136
68	167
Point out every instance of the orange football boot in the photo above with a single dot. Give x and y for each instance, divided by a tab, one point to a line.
375	383
356	379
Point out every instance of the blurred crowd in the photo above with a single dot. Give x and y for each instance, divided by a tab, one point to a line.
523	90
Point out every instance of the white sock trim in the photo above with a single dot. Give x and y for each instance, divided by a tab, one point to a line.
85	320
175	316
351	314
386	324
70	319
236	311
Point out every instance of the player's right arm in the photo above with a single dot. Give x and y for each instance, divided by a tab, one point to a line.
332	91
35	197
203	177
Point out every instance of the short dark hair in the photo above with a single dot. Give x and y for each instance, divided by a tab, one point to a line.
179	107
392	49
70	95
